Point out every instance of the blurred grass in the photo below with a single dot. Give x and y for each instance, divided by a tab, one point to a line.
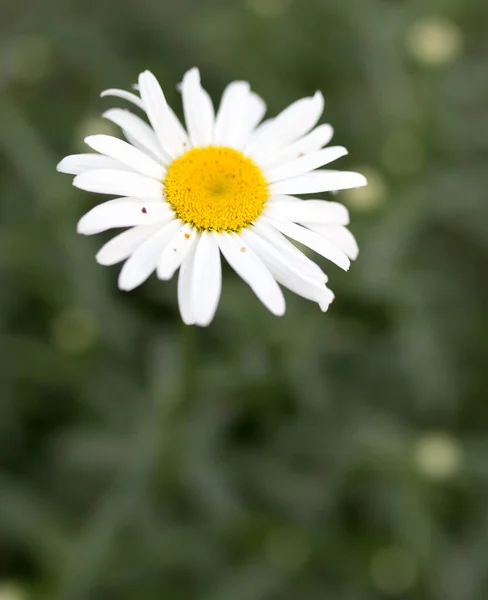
340	455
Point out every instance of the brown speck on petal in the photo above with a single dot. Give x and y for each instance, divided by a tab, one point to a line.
144	210
243	249
187	235
300	154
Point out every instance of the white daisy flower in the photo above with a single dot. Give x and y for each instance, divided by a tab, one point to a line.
227	185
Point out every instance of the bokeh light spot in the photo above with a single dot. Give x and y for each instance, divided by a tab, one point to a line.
369	196
403	152
393	570
434	41
267	8
90	124
438	455
29	58
288	549
12	591
74	330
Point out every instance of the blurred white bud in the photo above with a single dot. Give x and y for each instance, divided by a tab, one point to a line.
438	455
434	41
393	570
74	331
369	196
403	152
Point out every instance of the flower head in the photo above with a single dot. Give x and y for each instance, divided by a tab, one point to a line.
224	185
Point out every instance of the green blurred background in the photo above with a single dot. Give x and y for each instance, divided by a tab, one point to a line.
341	456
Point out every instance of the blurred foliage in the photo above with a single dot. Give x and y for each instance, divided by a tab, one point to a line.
340	456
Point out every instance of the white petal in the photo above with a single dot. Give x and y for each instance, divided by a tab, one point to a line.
313	141
167	127
126	154
185	279
143	261
133	141
319	181
326	302
289	251
251	269
310	211
292	123
314	241
175	252
123	245
340	236
125	96
180	130
137	131
258	132
287	273
198	109
304	164
231	124
206	279
123	212
79	163
281	198
255	112
122	183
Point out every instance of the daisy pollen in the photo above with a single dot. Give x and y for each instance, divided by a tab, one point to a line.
226	185
215	188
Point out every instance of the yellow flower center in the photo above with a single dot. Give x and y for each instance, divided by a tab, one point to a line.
216	188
